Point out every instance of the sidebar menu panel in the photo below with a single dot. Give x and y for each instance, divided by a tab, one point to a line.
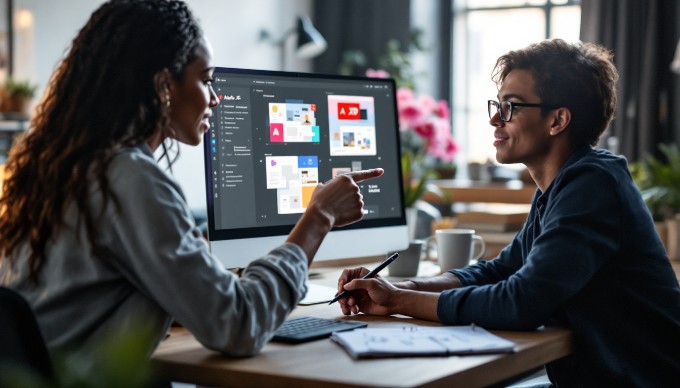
232	165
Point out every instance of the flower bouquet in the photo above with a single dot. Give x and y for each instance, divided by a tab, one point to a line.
426	140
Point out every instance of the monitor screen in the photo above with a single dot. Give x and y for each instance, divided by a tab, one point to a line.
275	136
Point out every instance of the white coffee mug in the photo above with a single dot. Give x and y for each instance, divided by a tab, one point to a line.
455	247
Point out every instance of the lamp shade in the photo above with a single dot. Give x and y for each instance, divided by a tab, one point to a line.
675	65
310	42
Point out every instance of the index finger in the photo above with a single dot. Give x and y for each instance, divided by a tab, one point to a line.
362	175
352	273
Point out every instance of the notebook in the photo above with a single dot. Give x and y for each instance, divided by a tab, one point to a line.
421	341
317	293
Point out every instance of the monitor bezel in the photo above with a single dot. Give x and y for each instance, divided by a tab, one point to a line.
284	230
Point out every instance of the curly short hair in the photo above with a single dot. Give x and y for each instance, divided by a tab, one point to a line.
579	76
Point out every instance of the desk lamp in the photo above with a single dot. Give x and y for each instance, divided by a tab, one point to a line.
310	42
675	65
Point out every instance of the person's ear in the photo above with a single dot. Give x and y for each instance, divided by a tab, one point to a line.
561	118
162	82
162	85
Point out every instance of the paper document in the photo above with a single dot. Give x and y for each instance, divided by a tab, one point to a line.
421	341
317	293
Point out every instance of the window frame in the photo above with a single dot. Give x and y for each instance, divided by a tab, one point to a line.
460	10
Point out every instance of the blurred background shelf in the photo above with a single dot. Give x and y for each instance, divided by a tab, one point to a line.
11	125
467	191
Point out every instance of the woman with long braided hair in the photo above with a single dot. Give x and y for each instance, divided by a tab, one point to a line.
94	234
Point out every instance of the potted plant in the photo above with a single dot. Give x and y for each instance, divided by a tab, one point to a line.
18	96
659	183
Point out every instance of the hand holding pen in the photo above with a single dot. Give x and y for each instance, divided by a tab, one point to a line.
369	275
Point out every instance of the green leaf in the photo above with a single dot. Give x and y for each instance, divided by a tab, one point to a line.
659	181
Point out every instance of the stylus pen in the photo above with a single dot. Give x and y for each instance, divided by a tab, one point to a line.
369	275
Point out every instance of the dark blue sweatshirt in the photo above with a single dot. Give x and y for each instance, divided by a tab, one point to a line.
588	258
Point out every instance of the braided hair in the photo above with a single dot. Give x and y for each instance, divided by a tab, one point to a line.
101	97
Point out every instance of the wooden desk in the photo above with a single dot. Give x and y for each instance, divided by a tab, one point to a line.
323	363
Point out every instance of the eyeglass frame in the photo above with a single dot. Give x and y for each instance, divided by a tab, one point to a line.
512	105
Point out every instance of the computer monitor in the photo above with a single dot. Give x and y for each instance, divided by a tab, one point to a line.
275	136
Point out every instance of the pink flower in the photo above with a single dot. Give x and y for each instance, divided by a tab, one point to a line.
426	130
447	150
404	96
429	120
443	151
373	73
451	147
443	109
409	115
440	144
427	103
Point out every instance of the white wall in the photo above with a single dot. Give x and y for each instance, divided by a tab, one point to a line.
232	26
424	17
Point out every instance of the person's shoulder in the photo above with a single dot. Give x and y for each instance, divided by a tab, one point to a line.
593	168
134	162
599	161
133	155
603	156
133	172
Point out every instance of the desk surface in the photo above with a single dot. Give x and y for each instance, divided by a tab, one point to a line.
324	363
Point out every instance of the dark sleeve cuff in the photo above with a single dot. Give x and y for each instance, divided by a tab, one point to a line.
446	307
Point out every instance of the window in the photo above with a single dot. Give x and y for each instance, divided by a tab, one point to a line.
483	31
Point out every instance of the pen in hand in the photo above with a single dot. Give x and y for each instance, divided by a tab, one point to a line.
369	275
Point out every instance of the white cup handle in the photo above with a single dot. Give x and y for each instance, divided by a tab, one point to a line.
482	245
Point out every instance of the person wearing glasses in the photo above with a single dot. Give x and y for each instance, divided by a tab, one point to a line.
588	256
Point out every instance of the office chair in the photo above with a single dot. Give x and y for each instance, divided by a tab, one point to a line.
22	342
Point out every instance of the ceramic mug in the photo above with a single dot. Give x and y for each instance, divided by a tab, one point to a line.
455	247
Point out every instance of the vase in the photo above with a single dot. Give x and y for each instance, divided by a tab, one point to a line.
446	172
411	222
419	220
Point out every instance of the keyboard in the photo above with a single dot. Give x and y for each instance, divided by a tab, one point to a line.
303	329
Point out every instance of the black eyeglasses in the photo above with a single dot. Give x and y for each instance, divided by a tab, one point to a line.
505	108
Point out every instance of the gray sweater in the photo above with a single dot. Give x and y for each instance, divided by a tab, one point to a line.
153	265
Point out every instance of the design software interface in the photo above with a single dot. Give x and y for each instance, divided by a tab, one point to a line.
275	136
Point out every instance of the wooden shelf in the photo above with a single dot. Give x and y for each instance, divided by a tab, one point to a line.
470	191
